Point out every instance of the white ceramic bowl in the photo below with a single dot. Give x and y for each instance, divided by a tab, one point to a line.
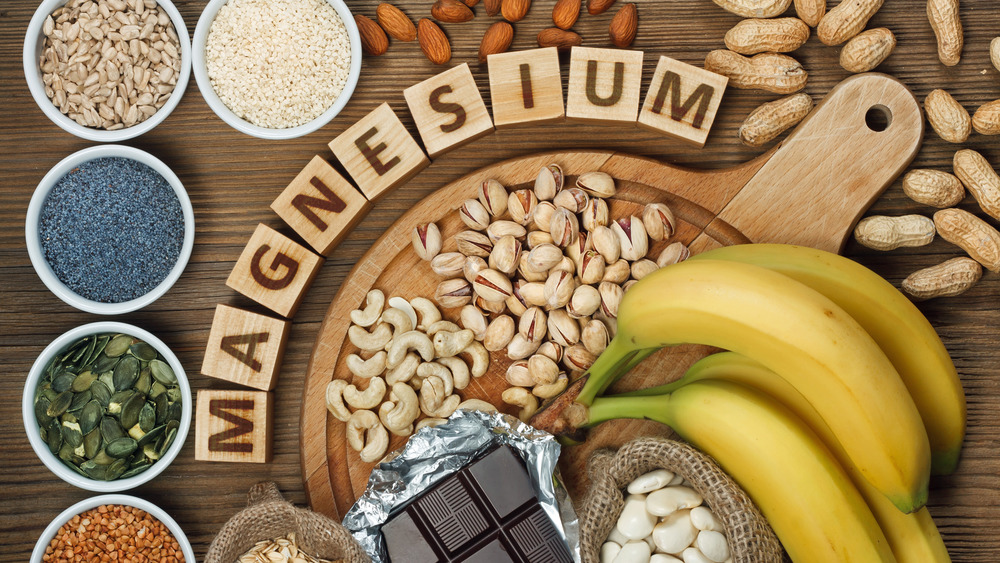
200	69
33	41
94	502
44	270
55	464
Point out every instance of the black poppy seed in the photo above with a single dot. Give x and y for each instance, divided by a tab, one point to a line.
111	229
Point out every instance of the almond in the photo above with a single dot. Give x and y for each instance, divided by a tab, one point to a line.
395	22
373	39
497	39
514	10
433	42
559	38
565	13
623	25
470	3
595	7
492	7
451	11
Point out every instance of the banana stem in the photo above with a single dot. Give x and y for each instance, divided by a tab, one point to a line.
610	365
604	409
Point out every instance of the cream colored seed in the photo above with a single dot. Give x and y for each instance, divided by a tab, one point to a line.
970	233
867	50
933	187
949	119
947	279
979	177
780	35
773	118
986	120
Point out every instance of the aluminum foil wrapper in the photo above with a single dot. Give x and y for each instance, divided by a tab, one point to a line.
436	452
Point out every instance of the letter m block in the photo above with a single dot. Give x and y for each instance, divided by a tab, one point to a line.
682	101
233	426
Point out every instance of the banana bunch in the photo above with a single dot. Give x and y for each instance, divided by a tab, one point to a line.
836	400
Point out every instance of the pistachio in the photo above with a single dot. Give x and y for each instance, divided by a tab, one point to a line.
611	297
617	272
472	318
599	184
563	329
426	240
552	350
528	271
518	376
492	286
532	324
674	252
578	358
564	265
538	238
564	227
520	347
628	284
574	199
595	214
592	268
515	303
559	289
542	369
606	242
575	250
521	205
642	268
452	293
585	302
659	221
544	257
595	337
631	237
474	214
543	215
448	264
472	266
506	255
492	307
500	229
533	293
493	196
473	243
549	182
499	333
549	390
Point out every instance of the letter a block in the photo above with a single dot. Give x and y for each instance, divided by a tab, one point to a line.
245	347
378	152
320	205
604	85
233	426
448	110
274	271
526	87
682	101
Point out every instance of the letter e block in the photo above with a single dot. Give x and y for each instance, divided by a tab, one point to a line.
233	426
378	152
448	110
682	101
245	347
604	85
526	87
274	271
320	205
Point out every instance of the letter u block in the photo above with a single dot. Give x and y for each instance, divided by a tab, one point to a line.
448	110
682	101
233	426
604	85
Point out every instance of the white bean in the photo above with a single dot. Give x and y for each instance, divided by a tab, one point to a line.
666	501
635	522
617	537
634	552
692	555
649	482
713	545
677	480
704	519
675	532
609	551
663	558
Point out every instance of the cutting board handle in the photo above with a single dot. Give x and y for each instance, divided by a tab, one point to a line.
828	171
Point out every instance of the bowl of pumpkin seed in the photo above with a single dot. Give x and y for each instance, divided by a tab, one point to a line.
107	406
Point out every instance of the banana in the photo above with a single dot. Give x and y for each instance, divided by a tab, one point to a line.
808	499
896	324
800	335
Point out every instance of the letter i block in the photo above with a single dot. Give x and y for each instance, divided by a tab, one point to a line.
604	85
682	101
378	152
233	426
320	205
448	110
526	87
245	347
274	271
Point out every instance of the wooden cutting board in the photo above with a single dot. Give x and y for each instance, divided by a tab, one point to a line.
809	190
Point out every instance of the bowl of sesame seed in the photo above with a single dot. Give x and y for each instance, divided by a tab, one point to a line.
109	229
276	70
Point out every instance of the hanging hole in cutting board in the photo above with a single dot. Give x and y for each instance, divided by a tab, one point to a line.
878	118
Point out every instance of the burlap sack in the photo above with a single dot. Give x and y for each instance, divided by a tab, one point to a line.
751	539
269	516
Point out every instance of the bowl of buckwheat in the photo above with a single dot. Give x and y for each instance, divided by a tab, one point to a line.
107	70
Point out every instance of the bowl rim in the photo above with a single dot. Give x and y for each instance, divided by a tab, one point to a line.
33	76
200	72
99	500
44	269
56	465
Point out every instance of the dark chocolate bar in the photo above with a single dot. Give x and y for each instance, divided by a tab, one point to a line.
485	513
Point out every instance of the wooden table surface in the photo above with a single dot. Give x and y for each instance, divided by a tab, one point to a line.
232	179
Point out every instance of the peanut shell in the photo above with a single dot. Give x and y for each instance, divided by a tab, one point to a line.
772	72
845	20
970	233
754	8
810	11
981	180
943	15
949	119
933	187
769	120
867	50
880	232
986	120
779	35
947	279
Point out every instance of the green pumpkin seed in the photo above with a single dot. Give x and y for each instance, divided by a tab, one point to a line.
54	367
79	401
174	395
92	443
118	346
116	469
60	404
130	410
110	429
174	411
102	458
121	448
162	372
90	416
147	417
84	381
160	406
149	450
151	436
157	389
135	470
94	471
77	350
63	382
126	373
53	436
89	353
145	382
71	433
49	394
104	363
101	393
117	400
100	343
41	406
169	436
143	351
66	453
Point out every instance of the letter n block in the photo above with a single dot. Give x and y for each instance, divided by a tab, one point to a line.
682	101
378	152
274	271
233	426
448	110
245	347
526	87
604	85
320	205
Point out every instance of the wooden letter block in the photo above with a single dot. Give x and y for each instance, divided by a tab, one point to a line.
378	152
604	85
682	101
320	205
233	426
274	271
448	110
245	347
526	87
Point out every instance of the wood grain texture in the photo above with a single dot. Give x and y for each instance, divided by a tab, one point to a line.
232	179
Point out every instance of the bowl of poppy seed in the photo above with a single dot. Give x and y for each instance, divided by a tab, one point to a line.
109	229
106	406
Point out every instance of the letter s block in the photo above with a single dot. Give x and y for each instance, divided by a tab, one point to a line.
245	348
682	101
604	85
448	110
233	426
274	271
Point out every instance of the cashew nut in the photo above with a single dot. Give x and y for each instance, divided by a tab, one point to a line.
413	339
367	399
519	396
404	306
477	405
399	320
549	390
404	371
480	358
366	435
428	311
434	401
374	302
371	367
459	370
335	400
447	344
429	422
428	370
374	340
439	326
399	412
